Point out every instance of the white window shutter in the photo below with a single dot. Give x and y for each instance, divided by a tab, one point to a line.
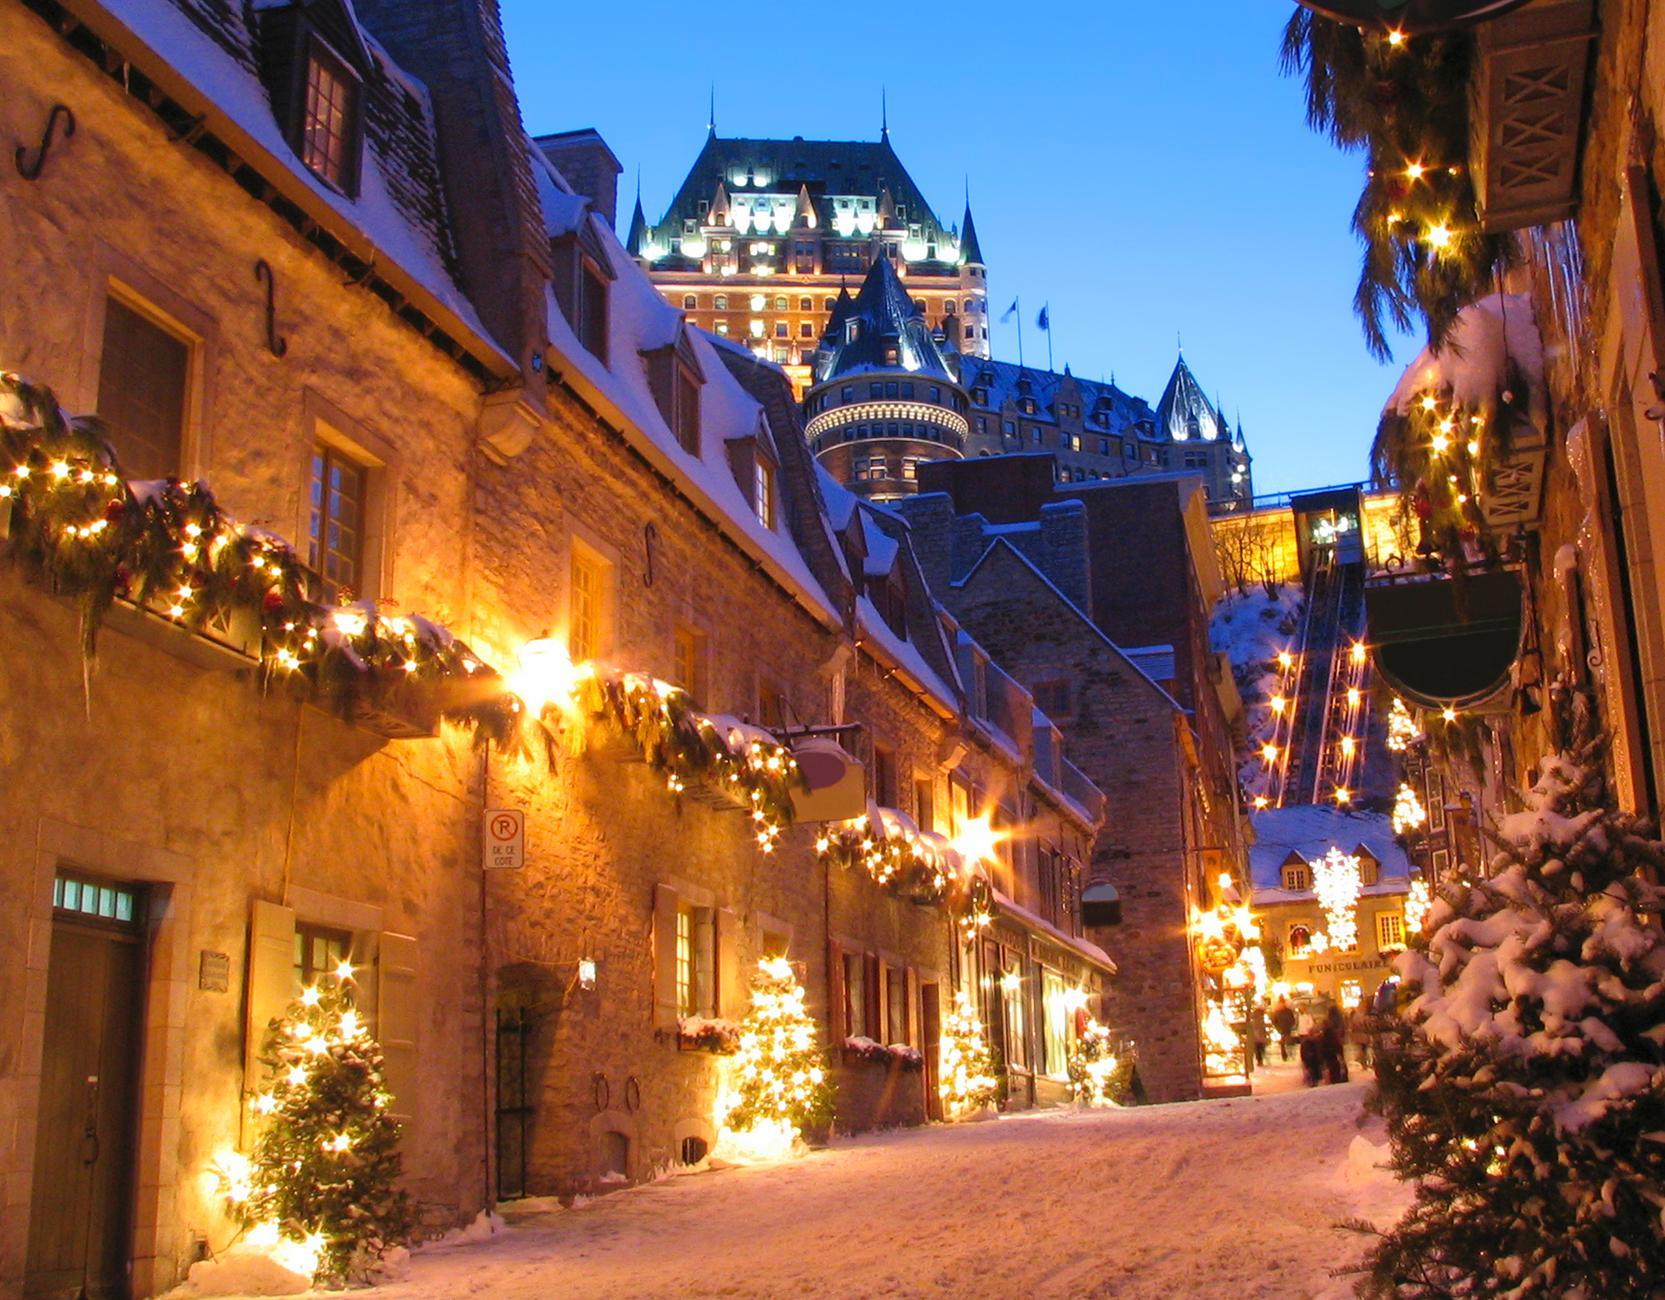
271	979
731	1002
665	902
396	1019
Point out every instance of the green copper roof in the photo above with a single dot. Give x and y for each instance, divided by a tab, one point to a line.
822	167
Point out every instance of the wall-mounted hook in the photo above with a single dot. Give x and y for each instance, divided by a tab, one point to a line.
32	171
263	272
650	544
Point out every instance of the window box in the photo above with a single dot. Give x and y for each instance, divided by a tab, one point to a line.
222	644
1527	98
860	1051
707	1034
390	704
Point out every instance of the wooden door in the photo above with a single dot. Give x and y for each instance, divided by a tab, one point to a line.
930	1043
80	1221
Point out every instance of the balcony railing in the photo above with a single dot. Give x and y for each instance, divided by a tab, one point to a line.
1526	112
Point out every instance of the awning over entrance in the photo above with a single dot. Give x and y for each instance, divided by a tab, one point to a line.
1437	642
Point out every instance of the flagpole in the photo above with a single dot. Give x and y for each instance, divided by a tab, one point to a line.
1048	311
1018	302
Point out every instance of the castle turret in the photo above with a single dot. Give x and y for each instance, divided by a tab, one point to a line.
883	397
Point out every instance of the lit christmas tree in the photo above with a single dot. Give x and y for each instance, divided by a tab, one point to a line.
1099	1075
323	1170
968	1078
1523	1080
779	1077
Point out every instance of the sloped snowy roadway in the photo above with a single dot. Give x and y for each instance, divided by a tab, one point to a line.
1228	1199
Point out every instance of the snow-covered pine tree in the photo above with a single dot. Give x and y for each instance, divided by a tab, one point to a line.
780	1074
1523	1078
327	1158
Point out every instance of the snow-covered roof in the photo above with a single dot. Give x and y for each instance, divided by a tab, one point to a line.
902	655
639	319
399	211
1155	661
1312	830
1003	382
1084	948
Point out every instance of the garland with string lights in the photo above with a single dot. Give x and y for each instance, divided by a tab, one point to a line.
915	865
686	745
324	1168
1403	101
72	523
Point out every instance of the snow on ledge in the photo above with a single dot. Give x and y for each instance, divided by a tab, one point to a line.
1473	363
1081	947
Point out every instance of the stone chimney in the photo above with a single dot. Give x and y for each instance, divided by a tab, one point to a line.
589	166
456	48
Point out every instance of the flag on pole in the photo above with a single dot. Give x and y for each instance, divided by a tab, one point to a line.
1009	312
1044	320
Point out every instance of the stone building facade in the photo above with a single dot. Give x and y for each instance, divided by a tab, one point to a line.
1034	572
252	835
1288	842
435	371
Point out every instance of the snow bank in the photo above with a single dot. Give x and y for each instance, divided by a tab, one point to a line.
242	1270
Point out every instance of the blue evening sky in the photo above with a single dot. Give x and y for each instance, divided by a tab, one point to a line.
1143	167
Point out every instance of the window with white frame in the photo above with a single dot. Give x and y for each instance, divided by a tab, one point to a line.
1390	931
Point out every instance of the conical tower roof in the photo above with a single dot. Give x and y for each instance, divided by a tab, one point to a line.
971	252
1183	412
880	329
638	229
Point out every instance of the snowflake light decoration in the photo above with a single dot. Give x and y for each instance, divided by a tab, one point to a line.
1336	881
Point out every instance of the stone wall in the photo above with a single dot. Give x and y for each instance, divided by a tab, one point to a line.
1122	734
143	767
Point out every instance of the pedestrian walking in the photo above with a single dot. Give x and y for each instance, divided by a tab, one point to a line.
1333	1046
1359	1030
1257	1032
1283	1020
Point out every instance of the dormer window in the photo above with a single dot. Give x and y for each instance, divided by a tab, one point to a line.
852	331
675	376
329	118
763	492
582	272
1295	878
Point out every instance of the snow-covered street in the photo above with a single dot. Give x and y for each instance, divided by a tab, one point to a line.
1221	1198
